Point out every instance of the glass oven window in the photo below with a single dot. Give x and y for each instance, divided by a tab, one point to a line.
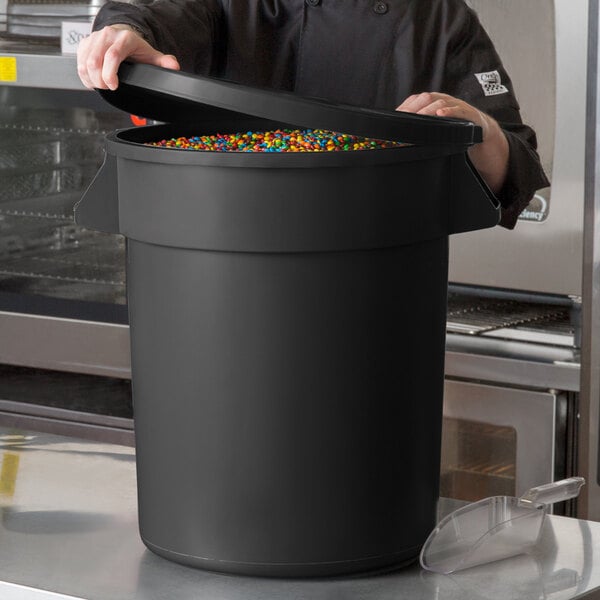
478	460
48	157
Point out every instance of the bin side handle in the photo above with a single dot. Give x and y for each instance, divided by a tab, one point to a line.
474	205
98	208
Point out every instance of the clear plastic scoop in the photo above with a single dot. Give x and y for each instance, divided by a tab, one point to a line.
493	528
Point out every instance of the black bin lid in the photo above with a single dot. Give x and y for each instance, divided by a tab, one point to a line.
176	97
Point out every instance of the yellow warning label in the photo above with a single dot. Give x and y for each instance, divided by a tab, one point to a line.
8	68
8	473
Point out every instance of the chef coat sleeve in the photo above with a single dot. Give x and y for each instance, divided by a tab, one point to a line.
188	29
474	73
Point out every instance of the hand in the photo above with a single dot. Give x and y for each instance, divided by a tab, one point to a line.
491	156
100	54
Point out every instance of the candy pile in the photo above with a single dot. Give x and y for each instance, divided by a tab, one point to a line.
280	140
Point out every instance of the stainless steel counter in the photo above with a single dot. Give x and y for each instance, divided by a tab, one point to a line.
69	527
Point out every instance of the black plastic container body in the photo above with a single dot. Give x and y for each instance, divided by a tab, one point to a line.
287	325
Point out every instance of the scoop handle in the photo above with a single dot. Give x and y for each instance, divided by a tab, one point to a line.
554	492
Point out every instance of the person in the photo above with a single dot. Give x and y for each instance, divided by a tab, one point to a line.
429	57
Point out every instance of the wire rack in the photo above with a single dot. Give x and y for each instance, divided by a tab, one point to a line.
48	157
42	19
475	315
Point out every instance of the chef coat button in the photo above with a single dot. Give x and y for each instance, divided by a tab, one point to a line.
380	8
313	2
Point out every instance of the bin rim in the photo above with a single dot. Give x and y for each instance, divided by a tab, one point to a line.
117	144
176	97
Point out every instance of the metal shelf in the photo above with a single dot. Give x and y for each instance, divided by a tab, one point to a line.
41	67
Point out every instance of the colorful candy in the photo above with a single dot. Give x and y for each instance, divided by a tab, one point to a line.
280	140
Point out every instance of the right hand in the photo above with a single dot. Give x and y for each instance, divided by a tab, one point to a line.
100	54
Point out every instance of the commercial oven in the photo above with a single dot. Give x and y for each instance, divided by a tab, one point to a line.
549	262
62	288
499	440
511	396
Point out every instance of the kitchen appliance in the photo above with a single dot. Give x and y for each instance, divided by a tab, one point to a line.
62	288
47	159
550	261
500	440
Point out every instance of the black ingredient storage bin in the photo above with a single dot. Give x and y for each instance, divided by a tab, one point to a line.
287	317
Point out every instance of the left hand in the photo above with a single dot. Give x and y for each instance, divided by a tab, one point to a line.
491	156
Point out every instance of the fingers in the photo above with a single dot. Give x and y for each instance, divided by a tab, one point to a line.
168	61
82	52
418	102
454	112
100	54
466	112
438	106
442	105
106	71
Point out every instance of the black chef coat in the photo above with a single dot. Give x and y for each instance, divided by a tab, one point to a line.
372	53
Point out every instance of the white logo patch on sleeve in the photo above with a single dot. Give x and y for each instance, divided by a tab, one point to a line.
491	83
